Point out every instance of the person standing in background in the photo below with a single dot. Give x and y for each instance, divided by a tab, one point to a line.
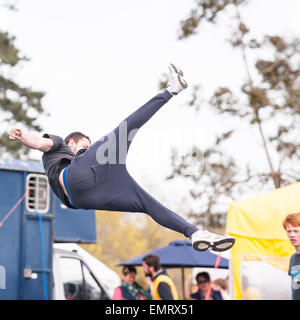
203	281
130	290
291	225
161	284
222	286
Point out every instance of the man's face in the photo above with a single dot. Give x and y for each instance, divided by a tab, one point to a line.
293	234
146	269
82	143
203	284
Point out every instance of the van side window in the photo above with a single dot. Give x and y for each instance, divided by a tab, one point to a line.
72	278
38	193
79	283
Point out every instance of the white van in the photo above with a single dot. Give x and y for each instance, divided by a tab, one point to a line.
77	275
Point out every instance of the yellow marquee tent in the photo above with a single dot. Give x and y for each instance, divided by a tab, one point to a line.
257	225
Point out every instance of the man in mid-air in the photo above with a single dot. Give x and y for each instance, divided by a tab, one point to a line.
86	176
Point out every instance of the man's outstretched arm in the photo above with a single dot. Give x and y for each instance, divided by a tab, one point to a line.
31	140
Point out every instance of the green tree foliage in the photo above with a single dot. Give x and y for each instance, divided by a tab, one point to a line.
18	104
268	100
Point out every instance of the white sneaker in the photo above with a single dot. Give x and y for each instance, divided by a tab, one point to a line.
176	82
204	240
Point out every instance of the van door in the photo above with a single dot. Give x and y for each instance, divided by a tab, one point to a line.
36	244
79	283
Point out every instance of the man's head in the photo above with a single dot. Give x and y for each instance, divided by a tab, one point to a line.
77	140
203	280
291	225
151	264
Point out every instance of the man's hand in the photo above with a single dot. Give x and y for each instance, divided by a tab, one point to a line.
31	140
15	134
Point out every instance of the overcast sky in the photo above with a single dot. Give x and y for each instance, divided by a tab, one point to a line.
98	61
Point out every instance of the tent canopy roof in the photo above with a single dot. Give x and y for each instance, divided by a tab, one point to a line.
262	216
179	253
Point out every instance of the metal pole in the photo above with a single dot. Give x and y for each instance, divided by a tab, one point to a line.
182	283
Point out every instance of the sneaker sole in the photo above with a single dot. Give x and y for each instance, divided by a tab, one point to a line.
177	70
201	245
218	246
179	74
223	245
183	83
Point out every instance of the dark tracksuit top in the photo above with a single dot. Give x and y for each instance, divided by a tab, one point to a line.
97	178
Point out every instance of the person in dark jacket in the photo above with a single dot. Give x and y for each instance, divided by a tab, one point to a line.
204	285
130	290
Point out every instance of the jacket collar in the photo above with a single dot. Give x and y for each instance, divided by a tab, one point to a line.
158	273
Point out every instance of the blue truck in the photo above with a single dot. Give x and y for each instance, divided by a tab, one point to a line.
32	220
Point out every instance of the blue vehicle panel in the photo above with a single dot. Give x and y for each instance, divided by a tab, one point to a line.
25	243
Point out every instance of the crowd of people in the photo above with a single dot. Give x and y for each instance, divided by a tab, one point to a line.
160	286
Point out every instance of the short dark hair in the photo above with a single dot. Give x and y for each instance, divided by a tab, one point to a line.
76	136
152	260
204	275
128	269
